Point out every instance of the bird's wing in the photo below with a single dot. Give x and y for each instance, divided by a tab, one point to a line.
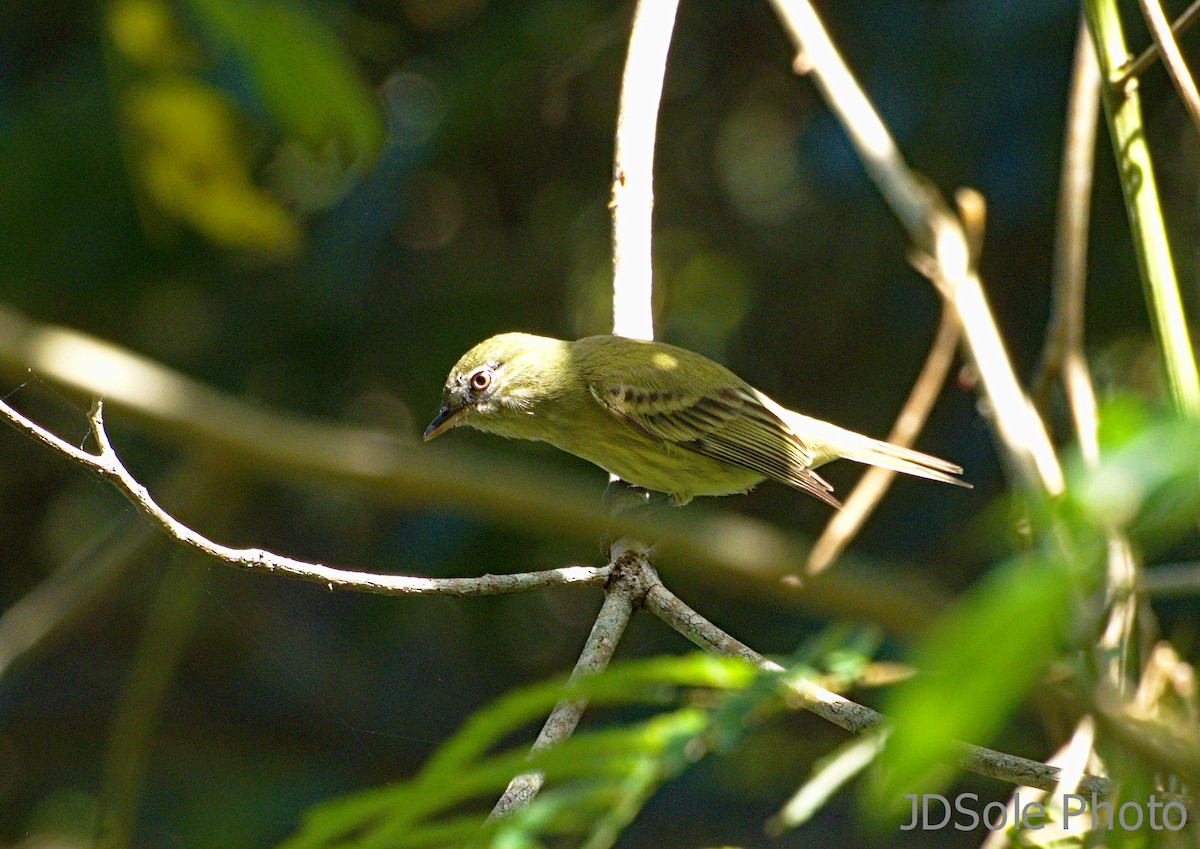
731	425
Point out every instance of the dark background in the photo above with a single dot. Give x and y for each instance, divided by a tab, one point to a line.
487	211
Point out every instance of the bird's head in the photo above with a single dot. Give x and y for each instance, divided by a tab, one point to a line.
497	383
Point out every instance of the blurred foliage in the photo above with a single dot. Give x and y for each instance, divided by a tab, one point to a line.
319	204
186	139
597	781
192	168
983	659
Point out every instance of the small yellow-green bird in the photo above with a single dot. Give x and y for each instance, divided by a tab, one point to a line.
658	417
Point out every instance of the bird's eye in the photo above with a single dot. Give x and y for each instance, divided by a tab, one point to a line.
481	380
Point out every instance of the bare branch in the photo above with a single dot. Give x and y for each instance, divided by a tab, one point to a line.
852	716
1148	56
1173	60
935	232
1062	354
631	573
874	484
258	440
108	465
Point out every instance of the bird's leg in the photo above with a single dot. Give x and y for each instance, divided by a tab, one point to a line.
620	497
623	499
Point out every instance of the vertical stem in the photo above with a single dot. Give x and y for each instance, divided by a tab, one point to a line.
1123	109
633	167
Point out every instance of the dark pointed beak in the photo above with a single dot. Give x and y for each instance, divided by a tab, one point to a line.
443	421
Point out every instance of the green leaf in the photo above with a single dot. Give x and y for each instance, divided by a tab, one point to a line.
191	163
306	81
615	768
974	667
829	775
1146	484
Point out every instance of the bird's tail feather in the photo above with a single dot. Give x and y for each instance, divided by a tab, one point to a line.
878	453
831	442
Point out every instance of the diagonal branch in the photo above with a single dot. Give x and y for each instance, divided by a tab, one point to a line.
1148	56
937	234
874	484
746	556
857	718
108	465
623	595
1177	69
633	581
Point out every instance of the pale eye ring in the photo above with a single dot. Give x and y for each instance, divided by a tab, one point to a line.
480	380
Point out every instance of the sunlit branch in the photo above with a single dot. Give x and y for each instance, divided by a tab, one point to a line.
108	465
1063	355
633	167
637	584
937	233
633	316
874	483
1177	69
1149	56
622	596
850	715
259	440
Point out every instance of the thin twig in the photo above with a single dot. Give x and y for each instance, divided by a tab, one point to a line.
857	718
1150	55
936	233
1170	580
872	486
108	465
1063	354
633	167
1177	69
1064	336
623	595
